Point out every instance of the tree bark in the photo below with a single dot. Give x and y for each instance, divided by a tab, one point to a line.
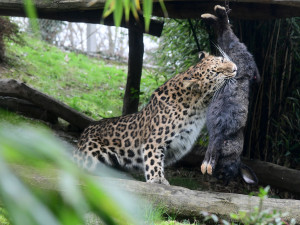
28	109
14	88
183	202
135	64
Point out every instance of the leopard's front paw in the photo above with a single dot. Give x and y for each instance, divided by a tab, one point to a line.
159	180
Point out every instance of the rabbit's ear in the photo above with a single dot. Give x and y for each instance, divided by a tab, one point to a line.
247	174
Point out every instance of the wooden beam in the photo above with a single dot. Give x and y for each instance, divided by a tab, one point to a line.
241	9
79	12
135	65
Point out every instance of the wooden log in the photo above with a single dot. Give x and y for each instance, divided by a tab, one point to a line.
135	65
187	203
267	173
14	88
275	175
27	109
183	202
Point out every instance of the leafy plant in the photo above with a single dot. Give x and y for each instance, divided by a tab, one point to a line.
118	7
32	15
28	204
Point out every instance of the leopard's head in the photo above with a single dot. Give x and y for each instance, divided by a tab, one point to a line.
210	74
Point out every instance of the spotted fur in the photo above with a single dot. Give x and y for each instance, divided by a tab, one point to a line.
164	130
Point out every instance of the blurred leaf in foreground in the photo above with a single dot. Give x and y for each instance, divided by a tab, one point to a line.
76	192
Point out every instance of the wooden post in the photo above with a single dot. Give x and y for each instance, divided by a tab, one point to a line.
135	64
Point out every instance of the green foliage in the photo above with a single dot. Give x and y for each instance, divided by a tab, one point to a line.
154	214
8	31
256	216
15	119
32	15
177	49
3	217
27	204
118	7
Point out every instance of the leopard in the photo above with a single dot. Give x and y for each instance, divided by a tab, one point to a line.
164	130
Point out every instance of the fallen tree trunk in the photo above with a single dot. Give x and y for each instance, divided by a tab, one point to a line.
27	109
267	173
275	175
187	203
14	88
181	201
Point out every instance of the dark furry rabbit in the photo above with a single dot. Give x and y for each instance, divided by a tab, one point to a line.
227	113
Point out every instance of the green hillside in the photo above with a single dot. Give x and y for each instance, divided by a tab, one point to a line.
90	85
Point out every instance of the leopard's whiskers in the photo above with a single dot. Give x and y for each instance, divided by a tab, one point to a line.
220	89
221	51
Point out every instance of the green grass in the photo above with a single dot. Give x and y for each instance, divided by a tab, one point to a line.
89	85
13	118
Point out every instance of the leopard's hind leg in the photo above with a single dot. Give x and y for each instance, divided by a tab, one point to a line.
154	163
90	155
